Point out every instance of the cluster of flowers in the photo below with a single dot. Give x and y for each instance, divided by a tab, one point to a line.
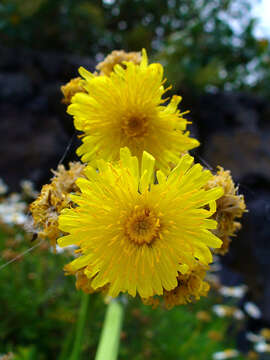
145	218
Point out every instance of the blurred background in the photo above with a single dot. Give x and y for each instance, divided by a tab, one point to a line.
217	57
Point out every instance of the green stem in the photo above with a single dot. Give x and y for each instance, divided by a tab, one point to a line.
110	336
65	351
76	351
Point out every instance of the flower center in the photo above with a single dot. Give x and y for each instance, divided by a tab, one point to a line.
142	226
135	126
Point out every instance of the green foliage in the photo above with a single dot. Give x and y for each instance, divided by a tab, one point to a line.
26	353
218	50
40	309
204	44
39	305
176	334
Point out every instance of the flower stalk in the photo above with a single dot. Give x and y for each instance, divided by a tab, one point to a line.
110	336
77	347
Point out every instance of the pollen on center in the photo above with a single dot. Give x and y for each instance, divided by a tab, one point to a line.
135	125
142	226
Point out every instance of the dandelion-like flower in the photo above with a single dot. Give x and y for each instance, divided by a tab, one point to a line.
53	198
138	235
126	108
230	206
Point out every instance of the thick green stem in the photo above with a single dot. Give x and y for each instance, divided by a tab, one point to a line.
110	336
77	347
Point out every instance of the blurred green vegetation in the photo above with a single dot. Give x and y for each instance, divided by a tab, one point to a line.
40	306
204	44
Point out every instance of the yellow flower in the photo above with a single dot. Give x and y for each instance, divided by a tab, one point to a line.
125	109
229	207
117	57
136	235
53	198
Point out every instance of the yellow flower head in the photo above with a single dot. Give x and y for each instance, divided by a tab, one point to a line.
229	207
136	234
125	109
53	198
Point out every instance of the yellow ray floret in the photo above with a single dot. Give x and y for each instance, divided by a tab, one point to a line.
126	108
137	232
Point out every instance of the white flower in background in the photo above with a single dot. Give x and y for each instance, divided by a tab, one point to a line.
3	187
28	189
12	210
219	310
254	337
215	267
262	347
233	291
8	356
238	314
225	310
226	354
252	310
213	279
69	249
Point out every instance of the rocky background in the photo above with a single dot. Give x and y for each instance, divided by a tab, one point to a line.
35	129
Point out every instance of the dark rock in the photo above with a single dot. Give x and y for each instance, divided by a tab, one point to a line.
15	88
235	133
218	112
243	152
34	122
31	146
